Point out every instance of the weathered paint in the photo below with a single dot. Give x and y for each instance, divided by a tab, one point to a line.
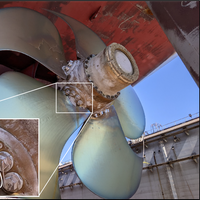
128	23
20	139
180	22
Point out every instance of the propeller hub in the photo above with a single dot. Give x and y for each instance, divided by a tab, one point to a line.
112	69
109	71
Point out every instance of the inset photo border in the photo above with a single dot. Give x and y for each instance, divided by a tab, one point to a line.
71	83
19	157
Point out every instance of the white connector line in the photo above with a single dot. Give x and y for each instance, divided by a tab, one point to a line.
27	92
65	154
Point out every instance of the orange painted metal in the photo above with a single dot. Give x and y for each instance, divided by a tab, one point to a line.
129	23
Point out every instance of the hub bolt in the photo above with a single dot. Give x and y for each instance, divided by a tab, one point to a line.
67	92
7	161
13	182
79	103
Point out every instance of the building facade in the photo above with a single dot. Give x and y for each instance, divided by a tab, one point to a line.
170	166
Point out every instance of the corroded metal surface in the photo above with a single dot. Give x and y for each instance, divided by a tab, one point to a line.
180	22
104	73
128	23
20	140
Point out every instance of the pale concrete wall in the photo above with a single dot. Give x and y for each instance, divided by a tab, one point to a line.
185	174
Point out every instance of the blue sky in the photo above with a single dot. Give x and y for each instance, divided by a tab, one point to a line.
167	95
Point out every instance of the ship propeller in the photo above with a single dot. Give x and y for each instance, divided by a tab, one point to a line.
101	155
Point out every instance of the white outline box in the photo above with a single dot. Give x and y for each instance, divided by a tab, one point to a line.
45	86
38	174
86	83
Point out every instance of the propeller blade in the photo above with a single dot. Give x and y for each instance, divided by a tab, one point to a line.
31	33
87	42
55	129
130	113
104	161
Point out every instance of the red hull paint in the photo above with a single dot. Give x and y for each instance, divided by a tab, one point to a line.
128	23
180	22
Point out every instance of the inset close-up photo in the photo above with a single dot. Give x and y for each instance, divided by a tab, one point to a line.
115	87
19	157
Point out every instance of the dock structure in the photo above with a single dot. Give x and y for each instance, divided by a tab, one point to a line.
170	166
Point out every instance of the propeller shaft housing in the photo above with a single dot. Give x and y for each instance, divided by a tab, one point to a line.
110	71
113	69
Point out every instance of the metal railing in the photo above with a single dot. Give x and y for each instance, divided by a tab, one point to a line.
65	162
158	127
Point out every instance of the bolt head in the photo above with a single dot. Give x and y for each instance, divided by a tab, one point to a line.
13	182
106	111
101	113
95	115
67	68
79	103
73	93
70	63
77	97
67	92
7	161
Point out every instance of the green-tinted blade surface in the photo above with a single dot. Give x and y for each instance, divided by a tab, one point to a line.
29	32
130	113
87	42
55	129
104	161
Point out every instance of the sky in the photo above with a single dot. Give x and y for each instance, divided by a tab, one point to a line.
167	95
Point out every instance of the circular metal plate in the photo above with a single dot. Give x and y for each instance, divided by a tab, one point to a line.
23	164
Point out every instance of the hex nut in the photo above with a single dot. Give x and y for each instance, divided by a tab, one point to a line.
7	161
67	92
13	182
79	103
70	63
73	93
77	97
67	68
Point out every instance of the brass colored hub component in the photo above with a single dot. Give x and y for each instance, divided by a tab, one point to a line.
13	182
110	71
